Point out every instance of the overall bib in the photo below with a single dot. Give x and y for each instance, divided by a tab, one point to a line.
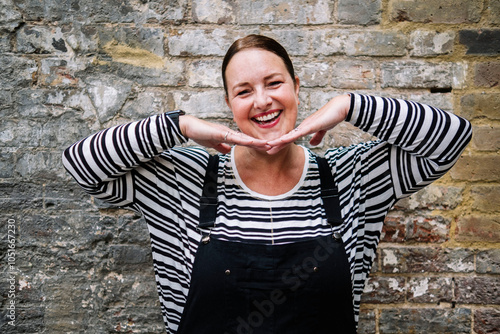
297	288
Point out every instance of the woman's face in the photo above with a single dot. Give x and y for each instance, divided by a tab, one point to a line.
261	94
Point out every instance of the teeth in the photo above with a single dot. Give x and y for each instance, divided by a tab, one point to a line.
267	117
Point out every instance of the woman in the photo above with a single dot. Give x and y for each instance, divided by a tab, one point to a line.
268	237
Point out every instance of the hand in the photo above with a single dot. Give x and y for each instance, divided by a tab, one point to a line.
216	136
326	118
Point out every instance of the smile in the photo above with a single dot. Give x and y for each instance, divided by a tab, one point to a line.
268	118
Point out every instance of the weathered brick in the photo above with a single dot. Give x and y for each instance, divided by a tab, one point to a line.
430	290
296	42
488	261
486	198
487	74
477	168
367	321
478	228
400	228
418	74
16	196
477	290
219	11
353	74
486	138
429	321
200	42
486	321
481	105
384	290
493	10
359	43
41	40
449	11
481	42
426	259
425	43
359	12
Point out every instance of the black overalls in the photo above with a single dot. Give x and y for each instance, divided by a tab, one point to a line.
298	288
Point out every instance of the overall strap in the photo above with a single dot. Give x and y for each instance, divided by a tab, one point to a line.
208	200
329	193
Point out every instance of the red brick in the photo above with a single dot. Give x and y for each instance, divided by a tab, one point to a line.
415	228
478	229
430	289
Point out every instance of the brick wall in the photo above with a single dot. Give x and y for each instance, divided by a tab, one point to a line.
69	68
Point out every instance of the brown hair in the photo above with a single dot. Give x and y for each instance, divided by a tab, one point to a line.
257	42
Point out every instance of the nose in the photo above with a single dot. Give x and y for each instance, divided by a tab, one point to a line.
262	99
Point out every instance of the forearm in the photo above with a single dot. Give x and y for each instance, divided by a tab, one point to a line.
113	152
416	128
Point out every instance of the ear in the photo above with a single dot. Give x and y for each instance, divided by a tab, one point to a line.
297	88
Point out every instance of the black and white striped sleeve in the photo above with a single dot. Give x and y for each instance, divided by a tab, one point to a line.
101	163
425	142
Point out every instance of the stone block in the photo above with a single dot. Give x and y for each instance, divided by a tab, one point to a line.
359	43
419	74
130	254
95	11
354	74
57	72
487	74
433	290
147	102
486	321
359	12
198	42
290	12
295	41
486	138
16	196
486	198
477	290
384	290
448	11
204	104
481	105
41	165
425	43
426	259
41	40
477	168
10	16
313	73
488	262
204	73
219	11
433	197
478	228
17	72
426	320
141	46
481	42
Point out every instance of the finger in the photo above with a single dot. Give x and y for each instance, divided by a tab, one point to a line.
288	138
317	137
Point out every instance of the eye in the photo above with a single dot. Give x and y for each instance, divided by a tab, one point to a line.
275	83
243	92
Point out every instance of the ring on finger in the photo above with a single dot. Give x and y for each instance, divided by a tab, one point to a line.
225	136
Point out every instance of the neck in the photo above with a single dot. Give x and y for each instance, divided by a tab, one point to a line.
246	157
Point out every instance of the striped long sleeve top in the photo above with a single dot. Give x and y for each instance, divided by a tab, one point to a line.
138	166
